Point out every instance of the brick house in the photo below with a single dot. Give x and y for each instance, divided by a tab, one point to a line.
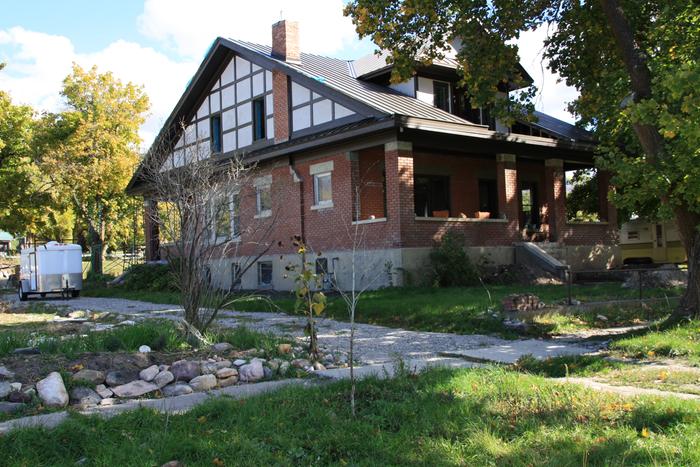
337	146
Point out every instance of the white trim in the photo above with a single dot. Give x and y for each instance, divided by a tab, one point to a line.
369	221
460	219
263	214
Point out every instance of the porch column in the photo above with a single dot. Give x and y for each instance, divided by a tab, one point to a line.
398	163
355	189
606	210
151	230
555	193
507	186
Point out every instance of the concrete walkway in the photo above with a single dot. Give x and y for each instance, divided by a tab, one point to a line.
627	391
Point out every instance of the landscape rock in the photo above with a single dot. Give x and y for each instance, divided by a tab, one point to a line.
240	362
134	389
89	376
9	407
147	374
5	373
19	397
203	383
52	391
253	371
184	370
128	322
177	389
601	318
103	391
284	367
221	347
163	378
120	377
108	401
16	386
223	364
5	389
84	396
267	373
301	363
226	382
318	366
144	349
78	314
284	348
163	367
208	368
226	373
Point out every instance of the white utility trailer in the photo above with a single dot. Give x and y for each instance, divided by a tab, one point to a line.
50	268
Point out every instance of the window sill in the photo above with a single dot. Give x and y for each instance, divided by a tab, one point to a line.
222	240
461	219
263	215
317	207
369	221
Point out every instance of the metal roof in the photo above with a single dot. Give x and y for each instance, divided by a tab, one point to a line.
561	128
5	237
337	74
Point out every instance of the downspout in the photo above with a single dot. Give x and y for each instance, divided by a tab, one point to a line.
300	181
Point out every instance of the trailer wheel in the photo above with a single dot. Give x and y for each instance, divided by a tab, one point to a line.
22	296
75	293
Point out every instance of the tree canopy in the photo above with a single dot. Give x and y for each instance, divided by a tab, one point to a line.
634	63
90	151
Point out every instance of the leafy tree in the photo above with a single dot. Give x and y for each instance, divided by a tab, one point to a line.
634	62
90	151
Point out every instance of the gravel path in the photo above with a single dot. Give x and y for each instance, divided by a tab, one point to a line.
374	344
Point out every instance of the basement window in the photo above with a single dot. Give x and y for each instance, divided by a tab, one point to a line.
258	119
265	273
235	275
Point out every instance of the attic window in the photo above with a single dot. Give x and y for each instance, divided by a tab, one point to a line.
441	95
215	123
258	119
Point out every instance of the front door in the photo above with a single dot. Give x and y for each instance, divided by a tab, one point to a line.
529	206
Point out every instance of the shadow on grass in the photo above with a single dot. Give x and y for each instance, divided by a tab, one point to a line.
472	417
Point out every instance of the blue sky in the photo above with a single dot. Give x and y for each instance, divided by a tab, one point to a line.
160	43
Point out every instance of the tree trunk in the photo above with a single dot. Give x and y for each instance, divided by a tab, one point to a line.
652	144
96	251
689	306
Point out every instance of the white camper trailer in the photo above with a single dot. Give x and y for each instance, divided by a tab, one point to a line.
51	268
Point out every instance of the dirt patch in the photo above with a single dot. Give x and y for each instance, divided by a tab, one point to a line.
31	368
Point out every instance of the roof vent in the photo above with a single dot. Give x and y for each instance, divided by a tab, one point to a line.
285	41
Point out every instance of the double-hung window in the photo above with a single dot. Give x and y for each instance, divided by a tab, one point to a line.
258	119
215	122
222	218
263	196
323	192
323	186
265	273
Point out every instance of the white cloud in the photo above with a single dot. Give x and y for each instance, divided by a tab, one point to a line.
553	95
189	27
37	63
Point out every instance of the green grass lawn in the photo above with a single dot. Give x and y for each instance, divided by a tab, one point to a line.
681	341
463	310
443	417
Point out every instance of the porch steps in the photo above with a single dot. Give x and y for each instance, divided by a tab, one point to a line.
554	249
536	257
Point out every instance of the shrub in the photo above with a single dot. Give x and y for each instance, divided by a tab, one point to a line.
450	264
150	277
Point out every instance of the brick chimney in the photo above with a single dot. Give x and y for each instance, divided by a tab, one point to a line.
285	41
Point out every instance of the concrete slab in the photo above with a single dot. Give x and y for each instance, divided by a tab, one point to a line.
388	370
512	351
